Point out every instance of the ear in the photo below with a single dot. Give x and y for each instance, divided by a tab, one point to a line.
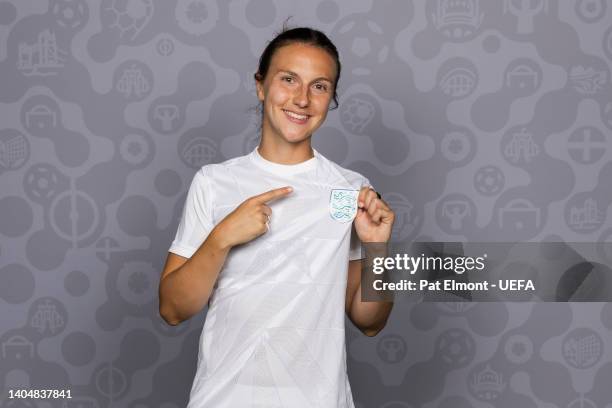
259	88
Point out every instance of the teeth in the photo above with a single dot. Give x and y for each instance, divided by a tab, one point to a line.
296	116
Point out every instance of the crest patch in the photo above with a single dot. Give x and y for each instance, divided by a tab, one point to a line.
343	204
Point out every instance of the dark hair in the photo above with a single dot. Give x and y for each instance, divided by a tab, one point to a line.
303	35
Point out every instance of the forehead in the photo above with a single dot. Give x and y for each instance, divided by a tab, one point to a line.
304	59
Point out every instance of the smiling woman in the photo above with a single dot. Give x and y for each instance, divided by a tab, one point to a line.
296	94
296	82
271	241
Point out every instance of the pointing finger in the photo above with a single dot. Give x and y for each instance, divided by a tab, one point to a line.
272	194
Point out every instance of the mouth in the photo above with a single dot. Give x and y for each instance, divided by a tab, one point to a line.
296	117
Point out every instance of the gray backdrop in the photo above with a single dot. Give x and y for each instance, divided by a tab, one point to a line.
477	120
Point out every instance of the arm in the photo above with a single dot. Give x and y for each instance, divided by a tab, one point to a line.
373	224
186	283
369	317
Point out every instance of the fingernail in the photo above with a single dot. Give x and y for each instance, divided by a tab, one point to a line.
360	204
289	189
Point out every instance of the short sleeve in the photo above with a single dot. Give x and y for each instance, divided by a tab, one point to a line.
196	220
355	245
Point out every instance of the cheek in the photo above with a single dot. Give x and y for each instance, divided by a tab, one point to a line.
323	115
278	95
322	105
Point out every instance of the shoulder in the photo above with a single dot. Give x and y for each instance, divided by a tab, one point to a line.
355	179
210	178
211	171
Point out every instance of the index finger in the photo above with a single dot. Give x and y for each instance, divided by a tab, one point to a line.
272	194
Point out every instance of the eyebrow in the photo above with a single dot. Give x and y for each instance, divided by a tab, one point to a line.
316	79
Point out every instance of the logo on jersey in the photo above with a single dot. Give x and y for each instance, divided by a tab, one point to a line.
343	204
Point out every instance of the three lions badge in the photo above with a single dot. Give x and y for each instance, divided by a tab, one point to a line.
343	204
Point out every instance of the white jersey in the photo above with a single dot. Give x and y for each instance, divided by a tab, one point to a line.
274	333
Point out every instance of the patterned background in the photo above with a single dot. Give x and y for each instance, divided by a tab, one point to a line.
477	120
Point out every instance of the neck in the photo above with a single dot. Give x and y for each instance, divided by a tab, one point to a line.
285	153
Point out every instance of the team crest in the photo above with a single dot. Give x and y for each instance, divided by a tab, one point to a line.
343	204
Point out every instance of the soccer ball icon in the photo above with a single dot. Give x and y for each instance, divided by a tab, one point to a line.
489	180
456	348
366	41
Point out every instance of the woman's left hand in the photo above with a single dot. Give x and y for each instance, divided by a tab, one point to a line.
374	219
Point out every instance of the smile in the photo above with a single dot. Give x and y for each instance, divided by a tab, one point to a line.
295	117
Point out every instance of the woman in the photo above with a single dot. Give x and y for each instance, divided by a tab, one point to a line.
267	240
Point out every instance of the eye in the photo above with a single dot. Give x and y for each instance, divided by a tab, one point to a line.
287	78
321	87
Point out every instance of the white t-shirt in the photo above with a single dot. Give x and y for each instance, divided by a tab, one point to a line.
274	333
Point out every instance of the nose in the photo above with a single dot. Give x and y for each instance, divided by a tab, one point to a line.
301	97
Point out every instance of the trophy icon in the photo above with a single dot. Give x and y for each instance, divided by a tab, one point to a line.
456	211
166	114
525	11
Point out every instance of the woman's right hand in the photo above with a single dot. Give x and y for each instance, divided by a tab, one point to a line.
249	220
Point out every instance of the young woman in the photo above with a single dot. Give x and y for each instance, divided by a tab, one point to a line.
271	241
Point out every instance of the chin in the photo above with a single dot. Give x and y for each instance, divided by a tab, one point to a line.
296	140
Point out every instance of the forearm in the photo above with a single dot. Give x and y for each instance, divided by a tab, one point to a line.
371	316
185	292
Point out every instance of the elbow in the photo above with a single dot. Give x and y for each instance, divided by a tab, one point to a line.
166	311
372	331
169	320
166	314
